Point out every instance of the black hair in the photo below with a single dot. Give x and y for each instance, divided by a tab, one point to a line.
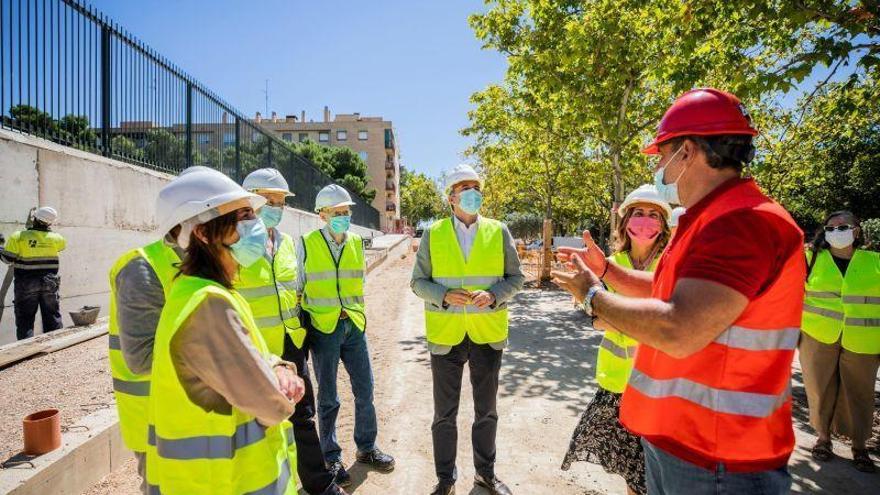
725	151
819	243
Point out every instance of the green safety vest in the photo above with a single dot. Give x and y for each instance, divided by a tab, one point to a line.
192	451
483	268
34	249
332	286
131	390
614	362
850	305
269	286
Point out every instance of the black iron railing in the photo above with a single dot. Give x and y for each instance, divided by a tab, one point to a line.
70	74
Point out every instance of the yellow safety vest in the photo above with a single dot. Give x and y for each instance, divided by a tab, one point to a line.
132	390
269	286
192	451
617	352
34	249
332	286
850	305
483	268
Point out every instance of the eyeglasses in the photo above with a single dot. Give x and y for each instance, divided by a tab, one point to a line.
839	228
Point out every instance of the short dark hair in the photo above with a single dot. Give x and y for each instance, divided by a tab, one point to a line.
724	151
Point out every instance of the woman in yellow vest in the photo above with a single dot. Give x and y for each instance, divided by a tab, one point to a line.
219	400
840	343
599	437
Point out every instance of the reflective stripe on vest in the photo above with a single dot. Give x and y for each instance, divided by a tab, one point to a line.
844	306
621	352
730	401
207	447
759	340
325	295
718	400
269	286
483	268
195	451
132	390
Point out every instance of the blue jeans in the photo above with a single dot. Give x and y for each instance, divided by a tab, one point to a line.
669	475
348	344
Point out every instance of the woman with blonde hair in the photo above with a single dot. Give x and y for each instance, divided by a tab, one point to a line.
641	235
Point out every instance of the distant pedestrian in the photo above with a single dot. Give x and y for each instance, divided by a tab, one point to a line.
840	345
33	254
641	236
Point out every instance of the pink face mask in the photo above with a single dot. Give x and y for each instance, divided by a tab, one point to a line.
643	229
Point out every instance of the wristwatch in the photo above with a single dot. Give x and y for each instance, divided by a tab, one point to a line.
587	305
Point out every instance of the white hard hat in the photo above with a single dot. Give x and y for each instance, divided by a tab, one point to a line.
646	193
461	173
676	214
198	197
332	196
196	168
46	214
266	179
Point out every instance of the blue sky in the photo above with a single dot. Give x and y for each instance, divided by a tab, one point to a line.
413	62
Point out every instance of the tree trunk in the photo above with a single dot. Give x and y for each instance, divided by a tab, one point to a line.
548	253
617	195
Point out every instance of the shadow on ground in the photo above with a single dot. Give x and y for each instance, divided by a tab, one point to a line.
552	350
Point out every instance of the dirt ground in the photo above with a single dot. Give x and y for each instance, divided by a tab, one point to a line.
75	380
546	382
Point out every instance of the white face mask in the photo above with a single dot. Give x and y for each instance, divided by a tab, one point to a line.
669	192
840	240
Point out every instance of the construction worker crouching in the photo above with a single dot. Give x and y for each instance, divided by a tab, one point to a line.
33	254
466	270
219	400
331	269
270	287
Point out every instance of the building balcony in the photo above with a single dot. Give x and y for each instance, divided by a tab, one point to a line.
390	185
390	206
389	165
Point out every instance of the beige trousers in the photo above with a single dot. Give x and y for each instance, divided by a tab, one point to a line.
840	389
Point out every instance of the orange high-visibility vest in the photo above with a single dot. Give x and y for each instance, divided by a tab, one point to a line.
730	402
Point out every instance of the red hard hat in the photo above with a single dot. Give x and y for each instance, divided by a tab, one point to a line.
702	112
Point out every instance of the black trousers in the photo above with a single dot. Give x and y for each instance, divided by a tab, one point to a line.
32	292
313	473
484	364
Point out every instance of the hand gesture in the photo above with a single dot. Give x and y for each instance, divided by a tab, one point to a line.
289	384
483	298
457	297
578	282
590	254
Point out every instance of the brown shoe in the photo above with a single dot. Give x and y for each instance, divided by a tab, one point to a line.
863	462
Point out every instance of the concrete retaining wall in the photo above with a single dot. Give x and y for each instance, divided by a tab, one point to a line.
105	207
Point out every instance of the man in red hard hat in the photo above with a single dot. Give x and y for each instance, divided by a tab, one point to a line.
718	321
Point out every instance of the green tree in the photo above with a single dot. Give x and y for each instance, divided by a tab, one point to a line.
420	198
125	147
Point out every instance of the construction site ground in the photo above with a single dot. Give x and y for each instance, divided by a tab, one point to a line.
546	382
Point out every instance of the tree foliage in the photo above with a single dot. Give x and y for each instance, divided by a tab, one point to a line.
420	198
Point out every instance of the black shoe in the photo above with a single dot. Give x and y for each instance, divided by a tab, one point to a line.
377	459
494	485
340	475
443	489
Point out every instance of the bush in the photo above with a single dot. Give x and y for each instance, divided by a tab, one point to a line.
871	233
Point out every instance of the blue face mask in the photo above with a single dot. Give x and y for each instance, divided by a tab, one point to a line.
340	225
669	192
271	215
470	201
251	244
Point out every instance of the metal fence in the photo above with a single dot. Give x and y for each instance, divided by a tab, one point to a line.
71	75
